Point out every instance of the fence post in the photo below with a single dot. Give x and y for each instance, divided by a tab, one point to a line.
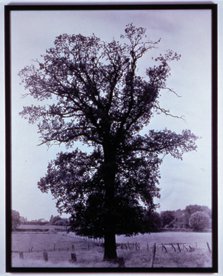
45	256
164	247
209	249
147	247
154	254
73	258
121	262
173	247
128	245
137	246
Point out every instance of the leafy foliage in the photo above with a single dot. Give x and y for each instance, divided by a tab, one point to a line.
190	209
167	217
94	95
180	219
15	218
199	221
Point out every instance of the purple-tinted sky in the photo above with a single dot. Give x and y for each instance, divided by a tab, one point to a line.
187	32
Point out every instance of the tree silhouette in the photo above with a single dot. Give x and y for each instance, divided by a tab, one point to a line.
90	92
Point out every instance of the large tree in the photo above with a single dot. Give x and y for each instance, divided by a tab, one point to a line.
90	91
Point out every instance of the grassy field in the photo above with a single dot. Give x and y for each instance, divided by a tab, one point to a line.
46	227
172	249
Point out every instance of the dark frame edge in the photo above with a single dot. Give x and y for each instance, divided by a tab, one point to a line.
34	6
7	136
109	5
215	137
111	270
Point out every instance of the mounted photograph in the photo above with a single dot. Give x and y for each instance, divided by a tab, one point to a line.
111	138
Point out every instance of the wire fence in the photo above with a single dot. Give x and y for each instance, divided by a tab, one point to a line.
71	251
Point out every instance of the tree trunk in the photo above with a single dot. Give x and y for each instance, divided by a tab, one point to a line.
110	253
109	220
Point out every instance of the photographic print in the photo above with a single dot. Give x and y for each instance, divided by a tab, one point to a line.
111	138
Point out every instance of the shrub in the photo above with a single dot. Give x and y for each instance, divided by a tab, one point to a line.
199	221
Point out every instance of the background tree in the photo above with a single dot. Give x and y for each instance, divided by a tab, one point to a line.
151	222
167	217
15	219
191	209
199	221
91	92
57	220
54	219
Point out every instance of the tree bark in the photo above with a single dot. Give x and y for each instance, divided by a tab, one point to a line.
110	253
109	227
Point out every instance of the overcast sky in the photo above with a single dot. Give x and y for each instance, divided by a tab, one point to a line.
187	32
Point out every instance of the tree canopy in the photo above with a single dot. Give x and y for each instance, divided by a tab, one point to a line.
200	221
90	91
15	219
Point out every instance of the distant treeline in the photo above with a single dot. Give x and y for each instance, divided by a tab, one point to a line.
54	220
192	218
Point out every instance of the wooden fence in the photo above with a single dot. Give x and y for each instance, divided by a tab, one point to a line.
153	248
